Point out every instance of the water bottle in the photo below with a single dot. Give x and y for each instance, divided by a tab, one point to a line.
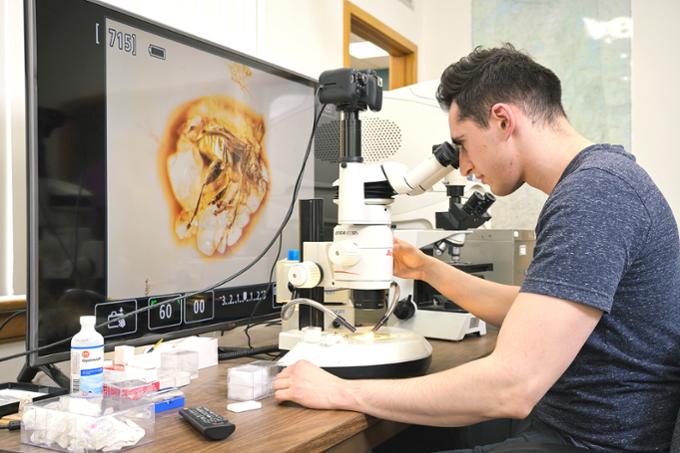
87	360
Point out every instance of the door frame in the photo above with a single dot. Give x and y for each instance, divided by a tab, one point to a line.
403	60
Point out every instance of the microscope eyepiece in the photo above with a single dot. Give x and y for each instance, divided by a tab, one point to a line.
446	154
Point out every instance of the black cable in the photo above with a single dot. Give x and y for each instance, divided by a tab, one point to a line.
284	222
247	352
266	322
267	356
11	317
269	288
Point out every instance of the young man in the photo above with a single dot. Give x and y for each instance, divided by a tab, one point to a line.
588	347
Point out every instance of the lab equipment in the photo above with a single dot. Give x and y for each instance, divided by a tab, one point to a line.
360	256
502	256
87	360
110	211
421	308
439	221
211	425
71	424
509	250
251	381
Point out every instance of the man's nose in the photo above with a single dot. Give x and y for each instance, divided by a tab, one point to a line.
465	166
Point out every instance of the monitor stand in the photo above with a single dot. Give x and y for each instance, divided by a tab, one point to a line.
27	374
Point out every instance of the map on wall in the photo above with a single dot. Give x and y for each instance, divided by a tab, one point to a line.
587	43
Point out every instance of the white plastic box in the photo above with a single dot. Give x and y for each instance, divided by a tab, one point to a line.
75	424
252	381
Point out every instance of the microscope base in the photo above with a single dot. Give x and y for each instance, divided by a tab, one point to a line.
389	353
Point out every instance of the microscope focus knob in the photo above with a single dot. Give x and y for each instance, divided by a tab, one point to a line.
305	275
405	309
344	253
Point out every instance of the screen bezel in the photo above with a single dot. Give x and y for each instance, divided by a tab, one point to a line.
30	18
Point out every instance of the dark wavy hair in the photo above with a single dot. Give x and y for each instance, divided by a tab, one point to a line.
503	74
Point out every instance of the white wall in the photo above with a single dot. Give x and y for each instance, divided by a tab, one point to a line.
12	151
302	35
656	93
230	23
446	36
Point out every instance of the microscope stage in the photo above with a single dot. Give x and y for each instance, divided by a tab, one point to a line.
389	353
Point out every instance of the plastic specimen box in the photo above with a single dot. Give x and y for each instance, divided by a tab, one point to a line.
132	389
251	381
75	424
167	399
173	378
180	360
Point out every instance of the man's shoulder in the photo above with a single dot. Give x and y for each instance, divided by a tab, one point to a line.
608	175
597	161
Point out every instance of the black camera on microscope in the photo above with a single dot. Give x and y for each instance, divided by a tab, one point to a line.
351	90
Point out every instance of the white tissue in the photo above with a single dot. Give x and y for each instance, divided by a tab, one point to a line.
78	432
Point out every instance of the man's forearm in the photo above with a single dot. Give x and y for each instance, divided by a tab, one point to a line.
468	394
487	300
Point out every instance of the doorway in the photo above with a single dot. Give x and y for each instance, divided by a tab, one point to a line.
370	44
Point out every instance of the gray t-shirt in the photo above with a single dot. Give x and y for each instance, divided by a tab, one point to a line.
607	238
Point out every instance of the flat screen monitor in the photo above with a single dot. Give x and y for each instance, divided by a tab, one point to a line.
159	164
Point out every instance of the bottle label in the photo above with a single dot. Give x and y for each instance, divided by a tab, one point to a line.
87	370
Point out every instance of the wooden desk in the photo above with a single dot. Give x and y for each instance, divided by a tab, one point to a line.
280	428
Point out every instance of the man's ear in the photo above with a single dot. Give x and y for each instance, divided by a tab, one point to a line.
504	118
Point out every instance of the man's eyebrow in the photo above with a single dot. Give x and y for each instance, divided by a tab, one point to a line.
458	140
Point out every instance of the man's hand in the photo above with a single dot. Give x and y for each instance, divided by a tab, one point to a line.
409	262
310	386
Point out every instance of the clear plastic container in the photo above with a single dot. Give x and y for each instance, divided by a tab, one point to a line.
180	360
173	378
132	389
77	424
252	381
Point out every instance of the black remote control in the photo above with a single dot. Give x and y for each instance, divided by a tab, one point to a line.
211	425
